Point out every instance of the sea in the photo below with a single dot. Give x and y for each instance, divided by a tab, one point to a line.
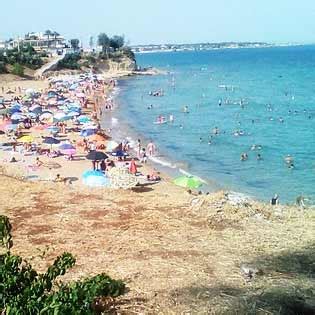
225	103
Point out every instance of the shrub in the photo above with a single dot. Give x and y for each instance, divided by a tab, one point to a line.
24	291
3	68
70	61
18	69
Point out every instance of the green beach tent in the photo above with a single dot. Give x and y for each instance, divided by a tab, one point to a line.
188	182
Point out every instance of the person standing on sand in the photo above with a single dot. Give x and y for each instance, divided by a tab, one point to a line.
139	148
151	148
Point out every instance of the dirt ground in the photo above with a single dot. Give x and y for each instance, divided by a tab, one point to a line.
177	253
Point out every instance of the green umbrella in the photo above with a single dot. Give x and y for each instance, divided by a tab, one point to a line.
188	182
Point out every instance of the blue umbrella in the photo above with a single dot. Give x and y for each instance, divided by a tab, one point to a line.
87	132
51	140
15	109
95	179
53	129
73	114
66	146
84	119
17	116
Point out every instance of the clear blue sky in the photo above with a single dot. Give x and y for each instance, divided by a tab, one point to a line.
163	21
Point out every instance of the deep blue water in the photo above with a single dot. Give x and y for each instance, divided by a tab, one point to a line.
277	86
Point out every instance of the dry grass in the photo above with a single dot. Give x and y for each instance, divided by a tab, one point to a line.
177	253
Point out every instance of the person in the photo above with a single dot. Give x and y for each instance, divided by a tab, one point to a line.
103	166
259	157
244	156
215	131
171	118
274	200
289	161
133	167
138	148
143	156
58	179
151	148
39	162
300	201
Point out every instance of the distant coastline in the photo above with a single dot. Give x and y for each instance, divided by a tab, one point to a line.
143	49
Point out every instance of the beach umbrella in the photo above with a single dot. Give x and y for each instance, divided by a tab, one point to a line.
188	182
95	179
73	114
29	91
36	109
80	95
84	119
26	139
31	115
87	132
111	145
67	149
46	116
96	156
59	115
53	129
15	109
10	127
51	140
17	116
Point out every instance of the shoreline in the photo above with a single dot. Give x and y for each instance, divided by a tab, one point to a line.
164	163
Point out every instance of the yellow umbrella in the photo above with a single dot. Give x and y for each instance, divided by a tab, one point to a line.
24	139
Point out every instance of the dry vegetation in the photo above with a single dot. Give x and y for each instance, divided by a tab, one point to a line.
177	253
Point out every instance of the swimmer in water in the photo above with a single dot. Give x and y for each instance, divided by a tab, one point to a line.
259	157
215	131
200	139
185	109
244	156
171	118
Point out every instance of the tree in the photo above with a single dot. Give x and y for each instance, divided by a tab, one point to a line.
91	42
117	42
74	43
103	41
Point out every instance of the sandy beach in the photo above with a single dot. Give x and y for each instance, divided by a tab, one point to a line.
178	253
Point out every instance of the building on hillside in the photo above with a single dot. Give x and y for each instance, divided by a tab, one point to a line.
3	45
50	42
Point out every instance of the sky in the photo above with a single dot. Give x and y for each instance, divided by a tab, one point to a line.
164	21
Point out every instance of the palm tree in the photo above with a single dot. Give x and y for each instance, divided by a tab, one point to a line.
48	33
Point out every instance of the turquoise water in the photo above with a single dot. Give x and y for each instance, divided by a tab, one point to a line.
277	86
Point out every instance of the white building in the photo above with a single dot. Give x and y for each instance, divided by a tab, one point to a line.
48	41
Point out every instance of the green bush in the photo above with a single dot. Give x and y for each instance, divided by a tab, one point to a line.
24	291
70	61
3	68
18	69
